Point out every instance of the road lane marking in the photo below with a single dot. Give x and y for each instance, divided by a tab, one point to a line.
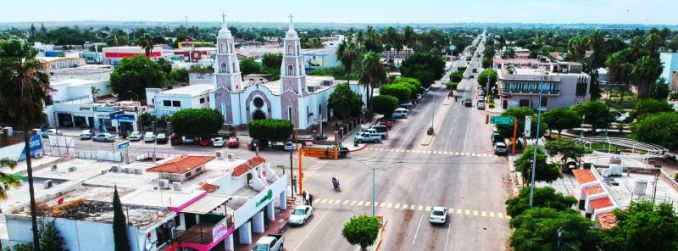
467	212
313	228
458	211
483	213
420	208
417	232
367	203
475	213
322	201
492	214
330	201
412	207
397	206
389	205
428	209
500	215
345	202
382	205
337	202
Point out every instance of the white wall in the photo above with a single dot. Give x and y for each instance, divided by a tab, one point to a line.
160	109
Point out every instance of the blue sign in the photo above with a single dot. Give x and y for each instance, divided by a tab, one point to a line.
35	143
114	115
122	145
104	109
125	117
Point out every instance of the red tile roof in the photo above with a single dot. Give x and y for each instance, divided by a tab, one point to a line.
208	187
181	164
601	203
593	190
583	175
607	220
247	166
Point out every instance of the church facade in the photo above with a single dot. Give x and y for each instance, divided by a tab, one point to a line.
296	97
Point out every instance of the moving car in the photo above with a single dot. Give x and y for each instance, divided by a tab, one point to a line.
104	137
161	138
500	148
468	102
187	140
233	142
149	137
300	215
438	215
218	142
86	134
135	136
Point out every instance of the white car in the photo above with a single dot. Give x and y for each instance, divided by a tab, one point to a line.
438	215
300	215
149	137
218	142
135	136
86	134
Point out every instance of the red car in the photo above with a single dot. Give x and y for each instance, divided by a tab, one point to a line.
387	123
233	142
205	142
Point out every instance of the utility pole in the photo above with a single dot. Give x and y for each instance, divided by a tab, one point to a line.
536	148
291	174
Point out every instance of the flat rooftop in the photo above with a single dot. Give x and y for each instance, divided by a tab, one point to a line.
192	90
622	189
80	75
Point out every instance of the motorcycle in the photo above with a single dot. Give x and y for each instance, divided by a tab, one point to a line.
335	183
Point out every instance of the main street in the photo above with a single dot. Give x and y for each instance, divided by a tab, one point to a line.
457	170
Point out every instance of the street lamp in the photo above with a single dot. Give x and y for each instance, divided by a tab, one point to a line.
374	174
536	145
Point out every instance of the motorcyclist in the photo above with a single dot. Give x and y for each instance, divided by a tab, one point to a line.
335	182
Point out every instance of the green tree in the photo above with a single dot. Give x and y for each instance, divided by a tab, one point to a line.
561	118
276	130
659	90
372	75
179	75
595	114
146	43
8	179
199	122
249	66
131	78
424	66
544	171
94	92
483	77
543	197
456	76
165	65
24	88
658	128
650	106
50	239
348	53
643	226
361	230
566	148
619	69
400	91
271	60
646	71
344	102
537	229
519	113
120	238
385	104
673	45
413	82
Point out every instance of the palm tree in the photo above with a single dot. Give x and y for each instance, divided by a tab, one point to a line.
646	71
146	42
577	48
409	37
619	70
373	75
360	38
24	87
95	92
501	41
8	179
347	53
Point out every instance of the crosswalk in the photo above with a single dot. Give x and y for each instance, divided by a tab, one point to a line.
323	202
483	155
309	171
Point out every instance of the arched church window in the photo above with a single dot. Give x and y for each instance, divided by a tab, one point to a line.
290	70
223	67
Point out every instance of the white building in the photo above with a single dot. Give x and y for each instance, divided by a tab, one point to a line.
170	101
669	62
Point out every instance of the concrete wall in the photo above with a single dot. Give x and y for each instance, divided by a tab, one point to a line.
161	109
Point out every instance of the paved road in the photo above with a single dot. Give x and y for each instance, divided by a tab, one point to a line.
458	170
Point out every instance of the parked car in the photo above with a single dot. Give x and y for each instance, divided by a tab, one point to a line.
380	129
399	113
218	142
104	137
233	142
205	141
289	146
161	138
500	148
149	137
438	215
271	242
135	136
365	137
49	132
257	143
481	105
496	138
468	102
86	134
300	215
407	106
187	140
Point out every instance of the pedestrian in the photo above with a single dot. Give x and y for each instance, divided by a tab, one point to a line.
307	197
310	199
304	197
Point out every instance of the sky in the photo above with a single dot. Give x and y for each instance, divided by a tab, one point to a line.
348	11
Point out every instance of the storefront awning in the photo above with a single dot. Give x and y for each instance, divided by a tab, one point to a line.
205	204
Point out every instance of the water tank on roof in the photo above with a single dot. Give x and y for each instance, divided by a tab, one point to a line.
641	186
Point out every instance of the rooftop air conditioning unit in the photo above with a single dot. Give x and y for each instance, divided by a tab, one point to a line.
176	186
163	184
48	184
138	171
231	157
71	169
115	169
125	170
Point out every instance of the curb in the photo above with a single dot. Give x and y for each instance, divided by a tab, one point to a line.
358	149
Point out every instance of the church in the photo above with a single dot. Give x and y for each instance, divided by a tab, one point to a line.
296	97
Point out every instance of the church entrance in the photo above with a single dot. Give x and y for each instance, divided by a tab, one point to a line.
258	114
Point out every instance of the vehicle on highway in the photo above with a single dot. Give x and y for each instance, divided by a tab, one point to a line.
500	148
104	137
218	142
187	140
86	134
399	113
135	136
271	242
161	138
366	137
481	105
289	146
149	137
233	142
438	215
300	215
468	102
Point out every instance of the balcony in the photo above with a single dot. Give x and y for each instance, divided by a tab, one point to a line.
204	233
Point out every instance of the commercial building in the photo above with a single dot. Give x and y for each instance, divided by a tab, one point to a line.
50	63
115	55
186	202
562	84
669	62
170	101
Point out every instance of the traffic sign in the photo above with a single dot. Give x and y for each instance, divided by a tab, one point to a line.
501	120
122	145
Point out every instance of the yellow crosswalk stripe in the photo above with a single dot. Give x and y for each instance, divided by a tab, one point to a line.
389	205
475	213
420	208
483	214
492	214
467	212
397	206
458	211
428	209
